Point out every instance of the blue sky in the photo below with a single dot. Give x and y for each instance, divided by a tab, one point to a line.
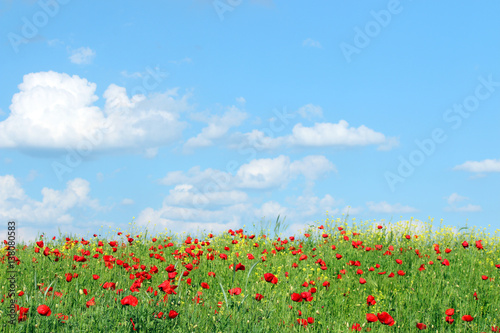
212	115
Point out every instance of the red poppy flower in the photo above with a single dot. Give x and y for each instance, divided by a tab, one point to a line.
23	313
130	300
270	278
484	277
385	318
303	257
296	297
239	267
234	291
90	302
338	256
205	285
326	284
465	244
356	327
44	310
370	317
69	277
467	318
479	245
401	273
421	326
109	285
362	281
445	262
172	314
450	312
259	297
371	300
391	275
95	277
449	320
399	261
40	243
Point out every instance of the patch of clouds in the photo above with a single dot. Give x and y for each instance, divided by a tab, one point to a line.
484	166
453	200
386	208
217	127
309	42
82	56
310	111
57	111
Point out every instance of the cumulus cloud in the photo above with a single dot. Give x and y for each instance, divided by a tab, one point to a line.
384	207
127	202
310	111
82	55
455	198
319	135
55	206
330	134
311	43
488	165
217	127
469	208
56	111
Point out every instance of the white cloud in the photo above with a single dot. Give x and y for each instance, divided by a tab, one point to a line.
312	167
468	208
127	202
319	135
82	55
453	207
217	127
207	180
55	205
265	173
488	165
310	111
384	207
241	100
454	197
330	134
188	195
134	75
311	43
56	111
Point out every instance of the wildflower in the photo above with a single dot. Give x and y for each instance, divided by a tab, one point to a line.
371	300
271	278
385	318
44	310
467	318
421	326
90	302
130	300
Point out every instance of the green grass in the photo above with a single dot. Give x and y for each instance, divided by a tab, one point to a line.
415	297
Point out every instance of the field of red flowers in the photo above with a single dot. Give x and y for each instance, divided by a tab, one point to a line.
331	278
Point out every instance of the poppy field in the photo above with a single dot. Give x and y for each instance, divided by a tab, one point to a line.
332	277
